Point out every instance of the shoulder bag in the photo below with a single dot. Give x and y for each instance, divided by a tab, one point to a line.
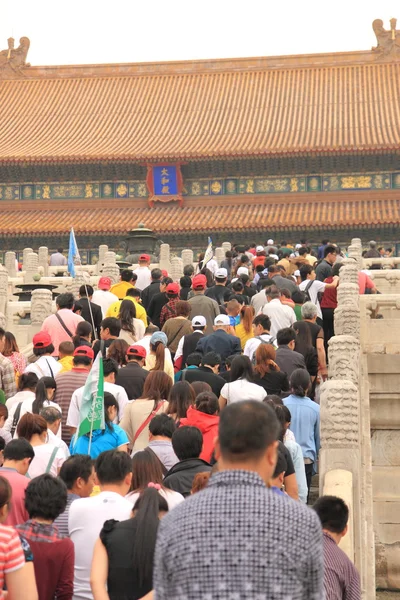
147	421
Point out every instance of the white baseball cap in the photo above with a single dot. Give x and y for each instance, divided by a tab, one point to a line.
260	249
222	320
298	246
270	243
221	273
242	271
297	273
199	321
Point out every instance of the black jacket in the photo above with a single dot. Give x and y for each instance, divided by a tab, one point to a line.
204	374
289	360
180	477
189	345
148	292
220	342
132	378
216	292
96	311
155	307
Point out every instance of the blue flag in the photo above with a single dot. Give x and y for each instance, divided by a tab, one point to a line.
73	254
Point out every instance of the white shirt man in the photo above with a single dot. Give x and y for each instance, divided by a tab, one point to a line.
261	329
143	272
281	315
258	301
314	286
103	297
87	515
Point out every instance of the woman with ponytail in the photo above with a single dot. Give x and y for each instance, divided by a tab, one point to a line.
266	371
305	422
159	357
122	567
244	330
132	329
83	335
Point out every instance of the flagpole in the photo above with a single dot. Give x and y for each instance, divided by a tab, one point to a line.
78	257
91	427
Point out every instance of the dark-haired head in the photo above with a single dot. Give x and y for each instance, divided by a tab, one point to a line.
147	468
77	474
200	386
286	337
28	381
45	390
10	344
333	514
207	403
247	435
18	454
117	351
300	382
5	497
83	330
31	425
110	327
180	398
162	426
45	497
114	468
194	359
187	442
111	408
65	300
157	387
241	368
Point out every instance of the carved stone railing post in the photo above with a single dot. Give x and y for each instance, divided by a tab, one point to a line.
44	259
10	259
165	261
41	307
103	249
187	257
345	457
219	255
110	268
3	290
226	246
25	253
31	267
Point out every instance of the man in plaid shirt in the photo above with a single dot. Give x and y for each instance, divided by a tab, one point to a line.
7	375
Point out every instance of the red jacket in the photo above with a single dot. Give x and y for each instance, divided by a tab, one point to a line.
208	425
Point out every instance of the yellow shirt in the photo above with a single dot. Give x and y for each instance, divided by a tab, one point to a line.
242	335
168	366
66	363
120	289
141	314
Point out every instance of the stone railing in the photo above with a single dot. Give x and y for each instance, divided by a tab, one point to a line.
345	457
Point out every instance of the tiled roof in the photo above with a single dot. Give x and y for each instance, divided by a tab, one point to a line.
236	214
171	114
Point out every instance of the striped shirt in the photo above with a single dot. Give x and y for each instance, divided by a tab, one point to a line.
67	383
239	539
7	377
62	521
341	579
11	554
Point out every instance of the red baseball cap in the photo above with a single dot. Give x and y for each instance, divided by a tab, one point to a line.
104	283
136	351
41	340
199	282
145	257
172	288
84	351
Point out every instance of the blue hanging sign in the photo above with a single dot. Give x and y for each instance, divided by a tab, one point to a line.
164	183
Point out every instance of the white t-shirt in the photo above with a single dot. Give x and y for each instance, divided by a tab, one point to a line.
45	366
117	391
315	288
41	460
27	408
253	343
104	299
242	390
56	441
172	498
85	521
143	277
281	315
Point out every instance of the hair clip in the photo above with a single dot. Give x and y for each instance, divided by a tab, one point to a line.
157	486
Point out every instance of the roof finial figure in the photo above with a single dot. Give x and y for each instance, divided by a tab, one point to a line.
388	39
13	60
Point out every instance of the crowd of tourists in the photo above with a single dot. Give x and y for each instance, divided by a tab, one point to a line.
197	484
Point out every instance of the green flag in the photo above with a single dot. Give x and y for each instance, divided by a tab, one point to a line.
91	414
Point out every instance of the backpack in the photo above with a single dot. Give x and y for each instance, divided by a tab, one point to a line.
306	292
258	337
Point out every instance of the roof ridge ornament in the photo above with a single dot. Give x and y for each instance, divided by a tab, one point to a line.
388	39
13	60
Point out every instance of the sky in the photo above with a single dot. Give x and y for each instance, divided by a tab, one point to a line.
115	31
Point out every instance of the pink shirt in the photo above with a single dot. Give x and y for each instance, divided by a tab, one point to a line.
56	331
17	513
364	282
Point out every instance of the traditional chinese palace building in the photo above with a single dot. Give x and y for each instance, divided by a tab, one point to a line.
288	147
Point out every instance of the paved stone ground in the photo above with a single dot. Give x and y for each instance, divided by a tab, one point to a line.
387	595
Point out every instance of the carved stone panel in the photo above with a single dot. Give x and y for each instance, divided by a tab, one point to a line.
41	306
339	414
